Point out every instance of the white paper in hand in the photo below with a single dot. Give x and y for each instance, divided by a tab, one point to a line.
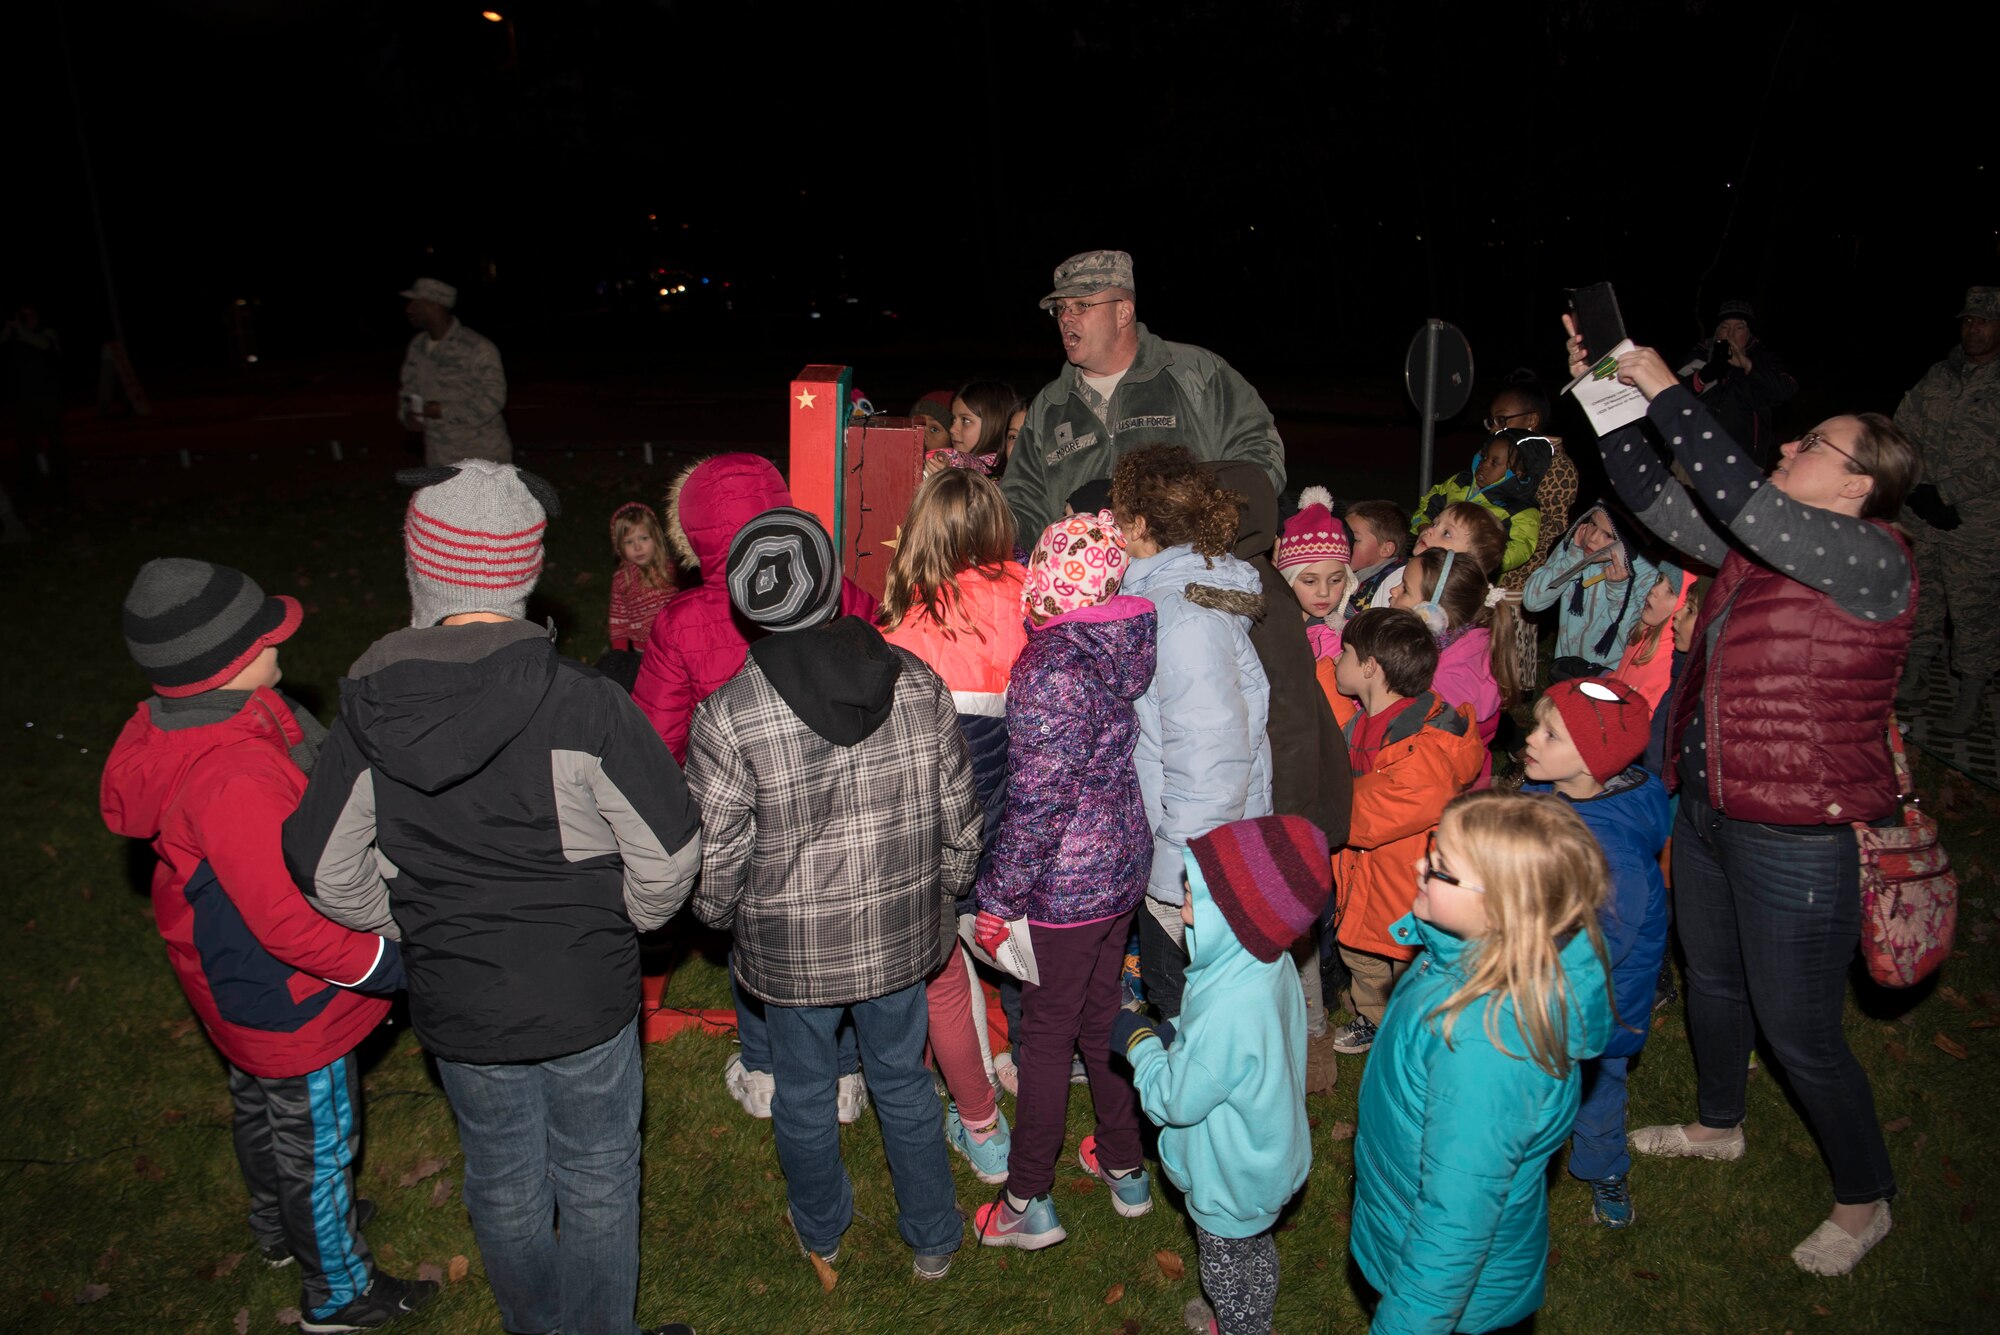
1607	401
1016	954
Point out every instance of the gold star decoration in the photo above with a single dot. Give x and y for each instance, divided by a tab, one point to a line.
893	543
805	398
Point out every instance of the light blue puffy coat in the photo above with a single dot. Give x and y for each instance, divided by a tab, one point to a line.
1230	1095
1451	1193
1203	757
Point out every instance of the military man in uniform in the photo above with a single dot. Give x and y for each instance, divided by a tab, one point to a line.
1125	387
453	388
1953	516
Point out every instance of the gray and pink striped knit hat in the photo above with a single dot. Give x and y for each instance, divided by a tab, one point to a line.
472	539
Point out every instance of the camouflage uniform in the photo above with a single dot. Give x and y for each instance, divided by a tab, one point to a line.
1172	394
1953	414
461	373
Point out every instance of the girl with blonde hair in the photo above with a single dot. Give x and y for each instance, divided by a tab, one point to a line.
1473	1082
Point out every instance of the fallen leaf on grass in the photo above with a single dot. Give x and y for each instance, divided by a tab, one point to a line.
1082	1184
1989	1022
441	1191
431	1271
1897	1051
420	1170
1949	1045
70	986
1990	999
759	1286
242	1321
1113	1294
1953	1180
1340	1131
717	1132
1821	1309
111	1257
287	1316
149	1170
182	1028
1129	1326
1953	999
1170	1263
50	849
457	1268
828	1276
91	1293
222	1265
1644	1274
1555	1258
1917	1145
1896	1124
172	1115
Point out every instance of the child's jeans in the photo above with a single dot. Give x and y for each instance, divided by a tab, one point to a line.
1597	1148
1072	1007
954	1038
1240	1276
753	1031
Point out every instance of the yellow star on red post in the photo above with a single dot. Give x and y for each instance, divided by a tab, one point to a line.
805	398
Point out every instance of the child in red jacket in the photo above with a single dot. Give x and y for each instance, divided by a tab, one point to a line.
208	769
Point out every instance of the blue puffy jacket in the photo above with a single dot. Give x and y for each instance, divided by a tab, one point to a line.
1631	819
1230	1095
1451	1197
1204	758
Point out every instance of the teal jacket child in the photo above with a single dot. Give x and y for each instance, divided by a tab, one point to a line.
1451	1215
1229	1091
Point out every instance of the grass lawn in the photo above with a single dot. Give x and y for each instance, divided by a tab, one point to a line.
122	1210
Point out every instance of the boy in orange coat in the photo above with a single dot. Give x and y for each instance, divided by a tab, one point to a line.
1411	754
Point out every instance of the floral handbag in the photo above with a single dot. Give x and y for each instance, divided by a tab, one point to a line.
1909	896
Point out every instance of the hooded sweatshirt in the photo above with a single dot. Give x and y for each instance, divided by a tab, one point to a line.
1596	613
267	976
1229	1096
697	642
1511	500
510	816
1310	777
1204	756
1074	845
1631	820
1451	1195
839	820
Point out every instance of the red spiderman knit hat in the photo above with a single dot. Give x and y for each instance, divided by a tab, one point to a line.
1269	876
1608	722
472	539
1311	535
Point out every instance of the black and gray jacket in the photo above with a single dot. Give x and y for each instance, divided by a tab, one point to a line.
512	818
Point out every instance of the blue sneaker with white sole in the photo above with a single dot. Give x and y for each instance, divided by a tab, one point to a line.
1611	1202
988	1157
1032	1229
1131	1194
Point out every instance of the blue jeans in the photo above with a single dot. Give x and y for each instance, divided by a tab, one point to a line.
892	1030
754	1033
1597	1147
1770	916
548	1143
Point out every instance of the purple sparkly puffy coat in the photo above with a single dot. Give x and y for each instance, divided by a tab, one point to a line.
1074	845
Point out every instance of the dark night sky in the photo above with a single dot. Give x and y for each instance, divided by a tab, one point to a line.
1306	180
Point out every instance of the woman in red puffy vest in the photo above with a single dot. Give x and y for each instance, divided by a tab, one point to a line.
1778	745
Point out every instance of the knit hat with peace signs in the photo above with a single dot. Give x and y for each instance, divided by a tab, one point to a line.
1077	562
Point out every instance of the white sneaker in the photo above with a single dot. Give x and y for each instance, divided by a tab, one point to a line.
752	1089
851	1099
1008	1074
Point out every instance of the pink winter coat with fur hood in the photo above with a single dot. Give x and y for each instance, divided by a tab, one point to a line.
698	642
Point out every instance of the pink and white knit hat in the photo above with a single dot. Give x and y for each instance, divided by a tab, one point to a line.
1311	535
472	539
1077	562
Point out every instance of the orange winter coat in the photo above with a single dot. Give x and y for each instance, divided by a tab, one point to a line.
1432	753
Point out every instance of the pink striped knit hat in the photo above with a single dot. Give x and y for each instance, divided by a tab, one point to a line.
1311	535
472	539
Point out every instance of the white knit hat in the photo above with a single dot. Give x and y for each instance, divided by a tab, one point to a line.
472	539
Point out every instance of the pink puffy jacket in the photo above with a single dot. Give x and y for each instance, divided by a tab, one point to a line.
697	642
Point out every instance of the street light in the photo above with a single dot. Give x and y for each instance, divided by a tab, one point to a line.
492	16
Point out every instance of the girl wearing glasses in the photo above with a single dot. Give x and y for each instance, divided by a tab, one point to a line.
1473	1082
1777	742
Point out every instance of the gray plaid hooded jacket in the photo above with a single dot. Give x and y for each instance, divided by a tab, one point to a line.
835	866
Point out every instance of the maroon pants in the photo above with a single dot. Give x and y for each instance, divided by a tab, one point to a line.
1071	1008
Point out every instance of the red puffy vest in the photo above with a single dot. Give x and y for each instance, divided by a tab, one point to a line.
1795	700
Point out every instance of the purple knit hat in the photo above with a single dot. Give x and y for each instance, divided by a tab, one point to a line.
1269	876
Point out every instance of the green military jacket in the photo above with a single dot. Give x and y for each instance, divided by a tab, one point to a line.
1953	414
1173	394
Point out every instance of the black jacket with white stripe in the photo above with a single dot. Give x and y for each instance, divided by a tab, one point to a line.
514	820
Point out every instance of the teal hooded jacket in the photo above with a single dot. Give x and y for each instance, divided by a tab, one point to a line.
1451	1213
1230	1095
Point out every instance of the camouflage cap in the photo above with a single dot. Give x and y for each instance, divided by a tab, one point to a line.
1091	272
431	289
1982	303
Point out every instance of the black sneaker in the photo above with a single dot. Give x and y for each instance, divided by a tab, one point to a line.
279	1254
386	1300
